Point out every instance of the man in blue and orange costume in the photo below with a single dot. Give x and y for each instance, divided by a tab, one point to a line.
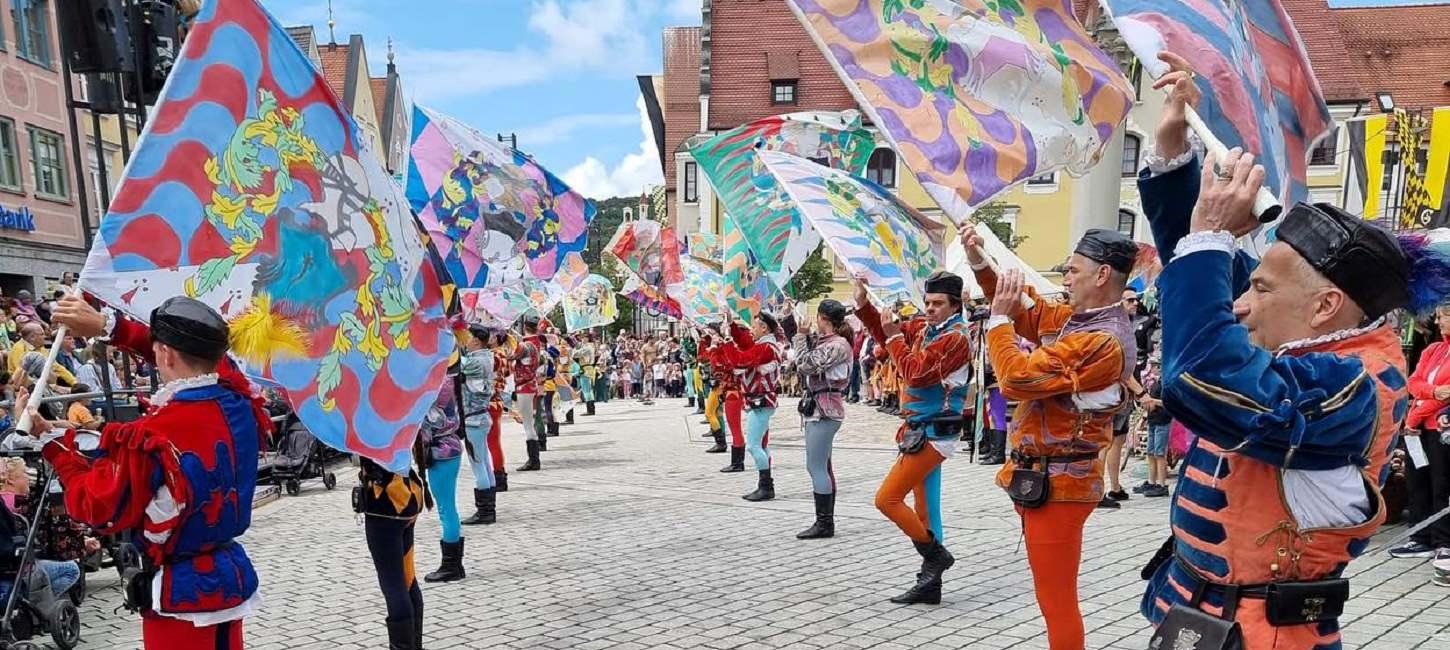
179	480
933	356
1290	372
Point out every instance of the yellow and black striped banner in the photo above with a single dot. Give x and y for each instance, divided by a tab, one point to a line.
1437	171
1363	190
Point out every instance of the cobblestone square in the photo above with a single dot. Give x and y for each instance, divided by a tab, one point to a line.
630	538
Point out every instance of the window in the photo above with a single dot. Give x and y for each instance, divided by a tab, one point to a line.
1391	161
1050	178
32	30
1327	150
783	92
47	160
692	183
1127	221
1132	147
9	155
1137	72
1009	219
881	168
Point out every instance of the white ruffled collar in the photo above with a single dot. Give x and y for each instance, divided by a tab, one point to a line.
1331	337
169	389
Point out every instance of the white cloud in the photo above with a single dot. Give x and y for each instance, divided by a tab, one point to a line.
632	175
561	128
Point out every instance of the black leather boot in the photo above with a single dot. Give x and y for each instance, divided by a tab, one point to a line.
764	489
451	568
737	460
485	511
589	408
926	591
825	525
552	428
402	635
533	465
690	402
996	440
500	481
719	447
543	440
935	558
569	417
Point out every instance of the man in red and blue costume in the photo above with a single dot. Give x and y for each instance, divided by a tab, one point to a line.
179	480
1291	375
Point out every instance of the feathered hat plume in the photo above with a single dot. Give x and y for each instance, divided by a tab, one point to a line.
1428	252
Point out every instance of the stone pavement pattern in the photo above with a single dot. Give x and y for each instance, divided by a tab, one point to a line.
630	539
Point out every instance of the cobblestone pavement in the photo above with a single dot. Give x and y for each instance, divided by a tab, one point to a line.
630	538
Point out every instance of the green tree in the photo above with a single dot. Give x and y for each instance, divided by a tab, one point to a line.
813	280
994	215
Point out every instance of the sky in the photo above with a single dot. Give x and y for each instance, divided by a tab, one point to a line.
559	73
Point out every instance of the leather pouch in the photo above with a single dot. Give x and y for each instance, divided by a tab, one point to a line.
913	439
1297	603
1188	627
807	406
138	589
1029	488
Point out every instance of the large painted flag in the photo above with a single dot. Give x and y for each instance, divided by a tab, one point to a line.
494	213
1364	193
653	300
650	251
253	190
499	305
775	232
591	304
747	285
705	247
1259	92
704	286
876	236
975	95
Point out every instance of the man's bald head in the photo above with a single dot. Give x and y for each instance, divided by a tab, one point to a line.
33	333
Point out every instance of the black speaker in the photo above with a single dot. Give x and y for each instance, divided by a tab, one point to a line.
96	35
156	26
103	94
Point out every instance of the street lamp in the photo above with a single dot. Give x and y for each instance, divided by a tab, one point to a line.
1386	100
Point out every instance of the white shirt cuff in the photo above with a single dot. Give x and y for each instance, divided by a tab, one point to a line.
997	320
1158	165
1209	240
110	315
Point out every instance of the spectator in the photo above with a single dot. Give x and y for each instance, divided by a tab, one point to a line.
25	307
32	339
79	413
1159	424
1428	482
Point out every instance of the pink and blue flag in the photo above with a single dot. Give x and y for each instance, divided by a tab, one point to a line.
1259	91
253	190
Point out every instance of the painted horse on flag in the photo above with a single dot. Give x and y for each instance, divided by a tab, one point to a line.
252	189
975	95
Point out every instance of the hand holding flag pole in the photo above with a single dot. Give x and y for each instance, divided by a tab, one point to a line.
1184	97
978	257
42	383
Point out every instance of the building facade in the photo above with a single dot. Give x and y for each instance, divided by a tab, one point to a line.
42	231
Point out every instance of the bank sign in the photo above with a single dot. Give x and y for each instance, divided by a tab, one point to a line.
21	219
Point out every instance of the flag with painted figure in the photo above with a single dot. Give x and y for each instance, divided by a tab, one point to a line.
705	247
780	240
649	251
747	285
252	189
704	286
500	305
877	237
975	95
1259	92
591	304
1364	190
653	300
495	214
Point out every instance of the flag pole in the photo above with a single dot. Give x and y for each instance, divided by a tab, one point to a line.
42	384
1266	205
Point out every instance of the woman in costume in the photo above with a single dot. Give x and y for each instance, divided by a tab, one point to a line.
824	359
443	457
755	359
478	419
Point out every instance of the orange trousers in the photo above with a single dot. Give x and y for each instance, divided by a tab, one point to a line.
908	475
1053	535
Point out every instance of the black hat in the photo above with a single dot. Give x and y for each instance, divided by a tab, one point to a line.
190	326
943	282
1363	260
833	310
1108	247
531	321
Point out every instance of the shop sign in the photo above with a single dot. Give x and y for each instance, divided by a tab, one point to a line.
21	219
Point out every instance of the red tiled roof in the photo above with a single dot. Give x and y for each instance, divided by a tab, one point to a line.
1403	50
1324	42
334	67
380	94
744	38
682	91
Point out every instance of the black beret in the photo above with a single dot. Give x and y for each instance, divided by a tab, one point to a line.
944	282
1108	247
1362	259
190	326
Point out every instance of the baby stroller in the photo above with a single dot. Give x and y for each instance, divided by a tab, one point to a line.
300	457
32	605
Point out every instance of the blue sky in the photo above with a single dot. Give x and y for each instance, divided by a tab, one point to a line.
559	73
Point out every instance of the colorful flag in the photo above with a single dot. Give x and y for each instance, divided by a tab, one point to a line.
872	233
775	232
1363	193
650	252
1414	198
1437	174
591	304
747	286
705	247
253	190
703	287
975	95
490	207
652	299
1259	92
500	305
